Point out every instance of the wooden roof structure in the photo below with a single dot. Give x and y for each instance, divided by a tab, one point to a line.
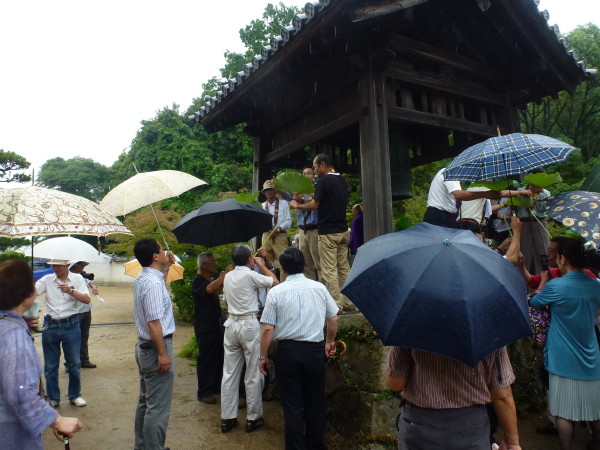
385	82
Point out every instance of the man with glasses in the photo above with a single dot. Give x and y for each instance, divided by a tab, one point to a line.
331	200
153	313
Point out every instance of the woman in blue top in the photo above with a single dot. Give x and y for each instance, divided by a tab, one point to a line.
24	414
571	355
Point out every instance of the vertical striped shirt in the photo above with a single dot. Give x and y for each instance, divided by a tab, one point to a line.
437	382
151	301
298	309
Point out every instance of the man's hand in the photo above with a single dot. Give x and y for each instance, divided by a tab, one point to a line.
32	322
258	261
164	363
293	204
171	257
263	366
505	446
516	224
67	426
330	349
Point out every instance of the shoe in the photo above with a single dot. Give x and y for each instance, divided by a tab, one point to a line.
252	425
87	365
78	401
54	403
227	425
209	399
242	403
549	429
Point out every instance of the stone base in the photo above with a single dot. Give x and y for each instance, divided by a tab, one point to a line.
364	412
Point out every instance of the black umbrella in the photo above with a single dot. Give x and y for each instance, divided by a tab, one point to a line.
226	222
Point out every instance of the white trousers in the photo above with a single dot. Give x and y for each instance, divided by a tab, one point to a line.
241	342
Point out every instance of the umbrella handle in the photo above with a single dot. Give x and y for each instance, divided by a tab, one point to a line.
342	344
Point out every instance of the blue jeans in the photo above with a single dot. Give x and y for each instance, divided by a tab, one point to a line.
69	335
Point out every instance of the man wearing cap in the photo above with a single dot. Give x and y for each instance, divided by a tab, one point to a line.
282	221
85	314
153	314
64	293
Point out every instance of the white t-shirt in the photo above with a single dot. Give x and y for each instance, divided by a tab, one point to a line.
474	209
440	193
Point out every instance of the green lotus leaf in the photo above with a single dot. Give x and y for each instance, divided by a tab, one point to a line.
542	180
248	197
496	185
521	200
294	182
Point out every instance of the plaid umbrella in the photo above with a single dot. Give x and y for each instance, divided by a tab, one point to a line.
503	156
578	210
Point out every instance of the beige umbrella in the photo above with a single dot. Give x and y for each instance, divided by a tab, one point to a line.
133	268
146	188
33	211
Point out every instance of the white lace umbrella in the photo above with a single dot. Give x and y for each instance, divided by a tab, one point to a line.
69	248
146	188
33	211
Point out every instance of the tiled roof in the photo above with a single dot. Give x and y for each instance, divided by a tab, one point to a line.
312	10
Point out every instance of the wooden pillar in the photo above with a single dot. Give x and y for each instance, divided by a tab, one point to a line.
375	156
259	172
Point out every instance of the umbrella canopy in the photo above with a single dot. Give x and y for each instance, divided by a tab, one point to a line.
133	268
146	188
440	290
31	211
509	155
226	222
578	210
592	182
68	248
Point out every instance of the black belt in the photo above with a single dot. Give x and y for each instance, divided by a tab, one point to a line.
168	336
65	320
307	227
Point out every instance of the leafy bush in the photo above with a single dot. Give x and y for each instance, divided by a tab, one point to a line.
11	255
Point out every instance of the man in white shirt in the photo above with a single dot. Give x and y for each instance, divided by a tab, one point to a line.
443	196
64	293
282	221
242	338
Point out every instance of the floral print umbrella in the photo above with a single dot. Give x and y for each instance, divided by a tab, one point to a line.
578	210
33	211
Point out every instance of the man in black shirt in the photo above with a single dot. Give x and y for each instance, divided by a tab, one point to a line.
207	327
331	199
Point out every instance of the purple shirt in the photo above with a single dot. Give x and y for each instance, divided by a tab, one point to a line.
23	413
357	235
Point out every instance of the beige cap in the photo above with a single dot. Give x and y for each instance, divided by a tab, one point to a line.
268	185
58	262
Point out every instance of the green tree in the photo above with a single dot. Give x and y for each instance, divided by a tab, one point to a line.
572	118
11	162
79	176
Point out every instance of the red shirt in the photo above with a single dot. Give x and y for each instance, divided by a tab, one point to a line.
535	280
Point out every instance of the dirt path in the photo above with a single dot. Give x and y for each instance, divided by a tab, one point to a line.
111	392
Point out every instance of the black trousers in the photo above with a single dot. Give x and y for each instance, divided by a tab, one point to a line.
441	218
85	320
300	379
209	368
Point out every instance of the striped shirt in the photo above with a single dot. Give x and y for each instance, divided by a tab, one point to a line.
61	305
437	382
151	301
298	309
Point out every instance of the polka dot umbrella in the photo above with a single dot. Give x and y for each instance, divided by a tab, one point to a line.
578	210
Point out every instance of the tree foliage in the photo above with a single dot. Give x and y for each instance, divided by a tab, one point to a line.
79	176
10	163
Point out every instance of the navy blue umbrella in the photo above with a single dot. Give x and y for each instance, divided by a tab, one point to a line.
440	290
226	222
509	155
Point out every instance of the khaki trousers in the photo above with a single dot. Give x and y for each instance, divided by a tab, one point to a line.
333	252
274	246
309	245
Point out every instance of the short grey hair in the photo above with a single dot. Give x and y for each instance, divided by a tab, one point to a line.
240	254
203	257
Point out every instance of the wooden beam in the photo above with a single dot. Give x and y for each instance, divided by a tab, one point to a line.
434	82
402	44
375	171
423	118
313	136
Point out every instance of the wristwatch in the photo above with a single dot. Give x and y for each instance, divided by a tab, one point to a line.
262	358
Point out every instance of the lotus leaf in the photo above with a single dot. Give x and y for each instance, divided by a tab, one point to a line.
542	180
294	182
